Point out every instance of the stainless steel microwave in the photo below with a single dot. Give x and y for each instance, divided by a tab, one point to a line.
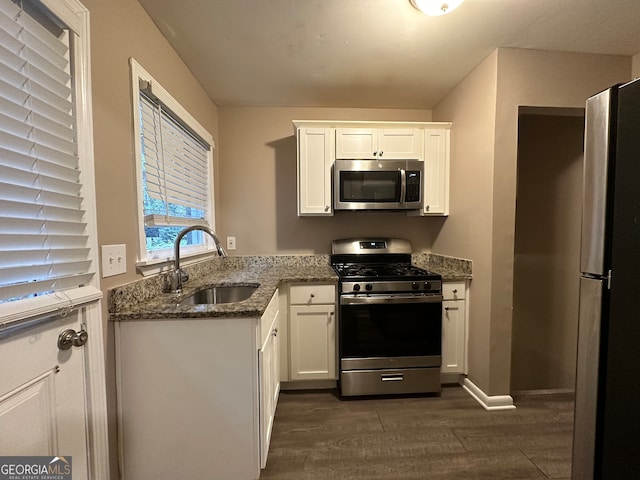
378	184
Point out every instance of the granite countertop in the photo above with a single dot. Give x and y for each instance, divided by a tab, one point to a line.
268	279
450	268
144	300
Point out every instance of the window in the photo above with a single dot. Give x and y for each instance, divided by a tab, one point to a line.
47	228
174	172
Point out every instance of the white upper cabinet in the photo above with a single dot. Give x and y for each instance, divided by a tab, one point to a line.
436	171
379	143
320	142
316	153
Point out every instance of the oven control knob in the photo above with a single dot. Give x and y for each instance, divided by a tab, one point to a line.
415	286
356	287
368	287
427	286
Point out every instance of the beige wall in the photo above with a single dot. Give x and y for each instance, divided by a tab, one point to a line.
547	253
635	68
121	29
539	79
257	195
519	78
467	232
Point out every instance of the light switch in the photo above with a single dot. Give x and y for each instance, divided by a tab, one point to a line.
114	260
231	243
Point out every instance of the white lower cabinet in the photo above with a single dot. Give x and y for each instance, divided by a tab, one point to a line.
454	328
196	396
269	373
312	332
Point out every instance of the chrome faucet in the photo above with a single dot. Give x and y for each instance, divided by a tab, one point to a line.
179	276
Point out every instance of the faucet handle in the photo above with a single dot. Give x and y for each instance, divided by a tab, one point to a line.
173	281
182	275
168	282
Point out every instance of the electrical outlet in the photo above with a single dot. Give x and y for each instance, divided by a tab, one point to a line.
114	260
231	243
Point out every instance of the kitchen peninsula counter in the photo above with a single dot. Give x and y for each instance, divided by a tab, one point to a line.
144	299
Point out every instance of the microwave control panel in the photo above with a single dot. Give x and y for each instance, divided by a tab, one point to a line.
413	187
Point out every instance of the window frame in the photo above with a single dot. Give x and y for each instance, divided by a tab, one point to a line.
149	264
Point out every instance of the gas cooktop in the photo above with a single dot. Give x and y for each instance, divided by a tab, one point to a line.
378	271
380	265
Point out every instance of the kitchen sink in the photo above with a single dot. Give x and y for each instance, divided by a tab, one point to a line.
220	294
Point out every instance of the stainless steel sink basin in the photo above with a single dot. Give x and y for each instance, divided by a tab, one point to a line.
221	294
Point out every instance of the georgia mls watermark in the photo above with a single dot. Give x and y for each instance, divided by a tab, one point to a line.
35	468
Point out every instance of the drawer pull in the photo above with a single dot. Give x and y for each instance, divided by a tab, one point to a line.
385	377
455	290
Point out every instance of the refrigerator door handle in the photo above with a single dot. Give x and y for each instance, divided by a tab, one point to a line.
596	181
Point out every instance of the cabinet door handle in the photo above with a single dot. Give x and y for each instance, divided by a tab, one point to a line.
274	332
455	290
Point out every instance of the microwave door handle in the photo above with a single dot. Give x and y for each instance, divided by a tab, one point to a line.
403	185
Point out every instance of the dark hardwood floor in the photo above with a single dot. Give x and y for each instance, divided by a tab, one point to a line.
318	436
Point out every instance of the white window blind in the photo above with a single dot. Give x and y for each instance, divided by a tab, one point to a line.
175	168
44	246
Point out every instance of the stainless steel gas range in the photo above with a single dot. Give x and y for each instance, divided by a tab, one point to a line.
390	319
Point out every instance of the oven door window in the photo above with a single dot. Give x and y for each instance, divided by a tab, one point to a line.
394	330
370	187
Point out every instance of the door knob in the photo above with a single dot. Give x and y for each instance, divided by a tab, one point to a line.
70	338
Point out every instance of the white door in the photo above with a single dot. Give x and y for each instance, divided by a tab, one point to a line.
42	395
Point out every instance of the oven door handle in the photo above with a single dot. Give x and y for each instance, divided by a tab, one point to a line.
388	299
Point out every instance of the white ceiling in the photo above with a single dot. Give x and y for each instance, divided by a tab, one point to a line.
372	53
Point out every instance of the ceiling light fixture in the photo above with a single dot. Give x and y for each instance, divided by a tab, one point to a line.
436	7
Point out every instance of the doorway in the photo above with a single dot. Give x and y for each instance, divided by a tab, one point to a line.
547	249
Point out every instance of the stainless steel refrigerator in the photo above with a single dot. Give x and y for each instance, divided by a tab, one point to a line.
606	441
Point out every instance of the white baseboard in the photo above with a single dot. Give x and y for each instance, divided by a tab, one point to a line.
490	403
